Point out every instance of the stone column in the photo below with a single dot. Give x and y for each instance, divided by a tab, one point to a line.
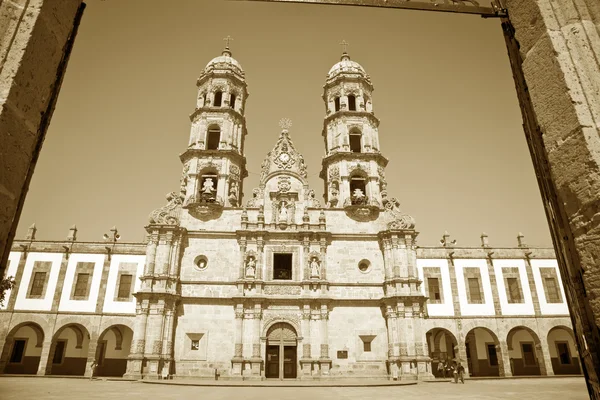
542	353
306	359
238	357
256	360
532	288
554	49
323	245
138	343
503	359
242	272
260	264
35	44
91	356
393	346
324	359
151	253
154	338
45	367
175	253
167	342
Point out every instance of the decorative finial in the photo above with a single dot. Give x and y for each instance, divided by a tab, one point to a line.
227	39
31	232
285	123
344	45
72	233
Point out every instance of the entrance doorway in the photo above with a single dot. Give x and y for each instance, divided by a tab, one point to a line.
281	357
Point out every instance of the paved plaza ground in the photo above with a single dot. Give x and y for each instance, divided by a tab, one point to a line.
20	388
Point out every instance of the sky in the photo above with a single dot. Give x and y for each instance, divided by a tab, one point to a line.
450	121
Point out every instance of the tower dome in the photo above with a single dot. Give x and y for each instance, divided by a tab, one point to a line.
224	61
346	66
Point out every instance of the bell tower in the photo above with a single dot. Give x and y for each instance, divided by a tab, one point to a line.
353	166
214	162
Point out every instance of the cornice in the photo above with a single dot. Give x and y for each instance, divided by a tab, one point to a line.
350	157
348	114
239	117
42	246
223	73
348	77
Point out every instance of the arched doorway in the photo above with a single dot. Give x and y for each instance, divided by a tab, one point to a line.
483	353
23	349
563	351
114	345
281	357
442	347
69	351
524	352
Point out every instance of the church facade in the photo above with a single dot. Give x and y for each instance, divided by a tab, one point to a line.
283	286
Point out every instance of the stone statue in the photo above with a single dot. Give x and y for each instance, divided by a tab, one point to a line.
208	187
315	268
283	213
358	193
251	267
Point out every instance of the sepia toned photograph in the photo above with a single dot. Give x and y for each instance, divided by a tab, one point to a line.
299	199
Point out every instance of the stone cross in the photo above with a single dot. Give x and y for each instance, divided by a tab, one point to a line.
228	39
344	45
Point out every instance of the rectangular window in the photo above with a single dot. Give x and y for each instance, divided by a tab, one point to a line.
474	290
39	281
125	286
232	101
59	352
81	286
564	355
195	344
514	291
528	355
434	289
367	340
282	266
492	355
337	104
18	351
552	290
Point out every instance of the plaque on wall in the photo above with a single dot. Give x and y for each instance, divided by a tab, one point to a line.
341	354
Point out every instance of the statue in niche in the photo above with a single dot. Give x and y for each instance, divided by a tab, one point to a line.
333	199
283	212
315	268
251	267
312	200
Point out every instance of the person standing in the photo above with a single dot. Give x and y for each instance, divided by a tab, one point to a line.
455	372
94	365
460	370
441	369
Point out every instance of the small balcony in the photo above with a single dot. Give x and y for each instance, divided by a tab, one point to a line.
361	208
204	206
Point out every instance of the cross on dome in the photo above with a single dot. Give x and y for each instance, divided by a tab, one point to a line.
227	39
344	45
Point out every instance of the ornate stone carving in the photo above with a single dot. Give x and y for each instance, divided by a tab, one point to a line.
139	346
324	351
306	350
264	168
283	157
419	349
255	201
233	193
283	184
382	180
358	166
238	349
334	173
157	347
311	200
169	349
184	180
256	350
396	219
210	164
234	172
170	213
282	290
403	349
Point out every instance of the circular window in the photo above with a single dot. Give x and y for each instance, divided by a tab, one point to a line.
201	262
364	266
